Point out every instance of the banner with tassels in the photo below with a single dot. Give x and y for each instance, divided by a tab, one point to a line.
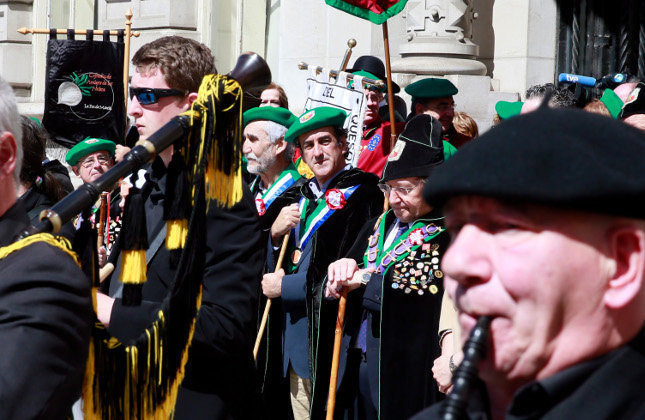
140	379
322	91
84	89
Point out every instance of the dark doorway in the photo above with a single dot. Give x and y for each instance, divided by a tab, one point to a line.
598	37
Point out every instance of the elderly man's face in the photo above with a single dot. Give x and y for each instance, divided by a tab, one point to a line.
92	166
323	152
536	272
404	196
257	148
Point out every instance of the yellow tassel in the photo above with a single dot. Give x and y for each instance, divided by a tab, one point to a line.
133	265
55	241
176	232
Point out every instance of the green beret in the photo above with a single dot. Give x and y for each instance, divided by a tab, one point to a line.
324	116
431	88
562	158
613	103
87	146
278	115
506	109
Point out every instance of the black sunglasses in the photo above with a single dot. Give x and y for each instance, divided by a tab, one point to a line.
149	96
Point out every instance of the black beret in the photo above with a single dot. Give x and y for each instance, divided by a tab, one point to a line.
564	158
417	151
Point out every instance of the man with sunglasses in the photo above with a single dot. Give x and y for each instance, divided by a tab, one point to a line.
219	381
390	336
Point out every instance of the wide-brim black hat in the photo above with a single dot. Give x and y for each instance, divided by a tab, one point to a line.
417	151
565	158
373	65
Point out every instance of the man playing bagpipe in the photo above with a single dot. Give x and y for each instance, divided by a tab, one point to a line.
45	299
546	267
219	379
325	221
390	335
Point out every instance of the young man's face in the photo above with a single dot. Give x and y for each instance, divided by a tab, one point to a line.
150	118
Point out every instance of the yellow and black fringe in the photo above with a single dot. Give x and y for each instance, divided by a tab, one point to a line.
140	379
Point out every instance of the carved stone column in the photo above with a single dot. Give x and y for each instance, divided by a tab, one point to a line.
439	41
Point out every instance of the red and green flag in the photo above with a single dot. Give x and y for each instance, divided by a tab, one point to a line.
376	11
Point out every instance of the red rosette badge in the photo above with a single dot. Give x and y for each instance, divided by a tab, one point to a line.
335	199
259	204
416	237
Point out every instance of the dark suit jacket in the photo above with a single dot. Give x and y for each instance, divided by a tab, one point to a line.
606	388
45	320
220	373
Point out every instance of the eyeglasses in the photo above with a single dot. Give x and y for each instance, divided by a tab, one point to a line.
149	96
88	162
402	191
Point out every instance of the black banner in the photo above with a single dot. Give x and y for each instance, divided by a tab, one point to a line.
84	91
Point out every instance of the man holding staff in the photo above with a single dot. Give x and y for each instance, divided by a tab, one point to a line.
323	225
390	335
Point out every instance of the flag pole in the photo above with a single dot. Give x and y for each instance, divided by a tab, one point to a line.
390	92
126	66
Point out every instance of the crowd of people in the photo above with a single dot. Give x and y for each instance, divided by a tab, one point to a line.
539	224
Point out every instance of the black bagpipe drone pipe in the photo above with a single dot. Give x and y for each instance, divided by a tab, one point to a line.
454	407
140	378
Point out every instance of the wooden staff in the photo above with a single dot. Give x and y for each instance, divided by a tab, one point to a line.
338	336
342	303
101	222
267	308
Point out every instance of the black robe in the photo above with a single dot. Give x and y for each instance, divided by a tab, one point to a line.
45	320
274	388
332	241
402	329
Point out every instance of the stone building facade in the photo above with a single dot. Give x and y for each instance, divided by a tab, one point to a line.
491	49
